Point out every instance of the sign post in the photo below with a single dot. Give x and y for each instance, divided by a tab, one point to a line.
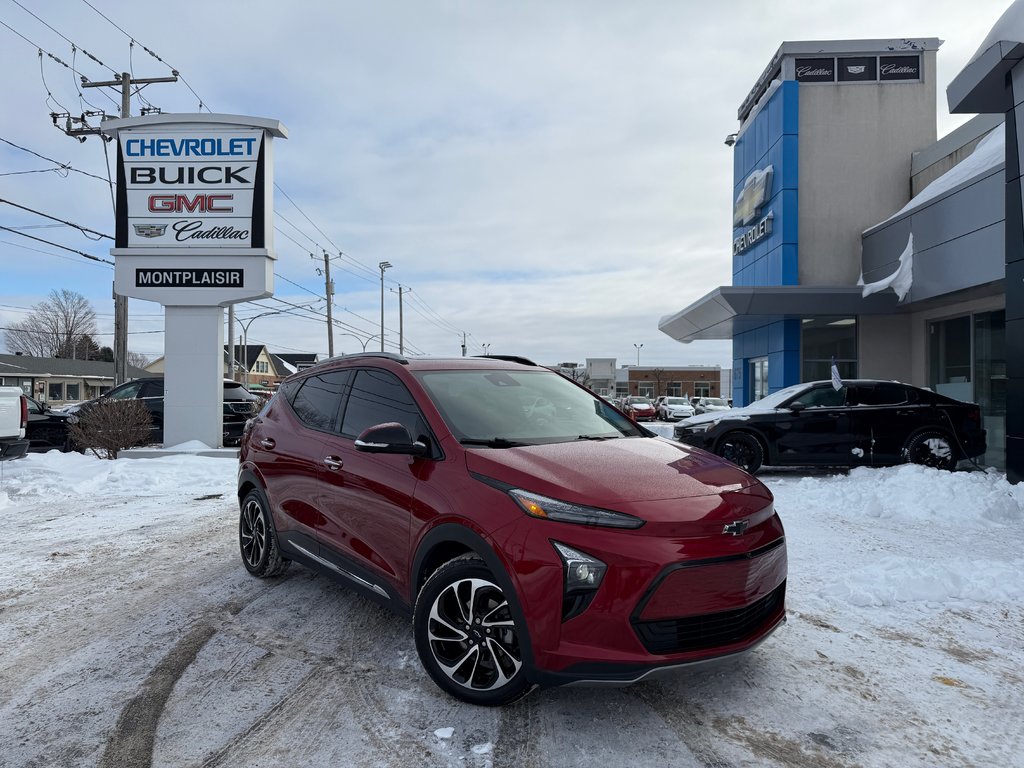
194	232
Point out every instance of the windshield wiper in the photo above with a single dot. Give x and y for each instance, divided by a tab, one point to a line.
494	442
598	437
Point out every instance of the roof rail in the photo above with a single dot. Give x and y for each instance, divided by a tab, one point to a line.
380	355
509	359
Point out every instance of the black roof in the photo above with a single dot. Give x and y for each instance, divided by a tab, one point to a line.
28	366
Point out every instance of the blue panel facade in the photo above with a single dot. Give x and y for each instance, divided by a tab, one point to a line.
771	139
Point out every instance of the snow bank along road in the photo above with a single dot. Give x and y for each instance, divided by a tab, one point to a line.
131	635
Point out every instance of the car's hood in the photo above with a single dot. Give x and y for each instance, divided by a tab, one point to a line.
628	469
731	413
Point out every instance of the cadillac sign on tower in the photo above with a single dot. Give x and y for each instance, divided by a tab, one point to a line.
194	232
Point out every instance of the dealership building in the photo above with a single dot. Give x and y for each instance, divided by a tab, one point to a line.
859	236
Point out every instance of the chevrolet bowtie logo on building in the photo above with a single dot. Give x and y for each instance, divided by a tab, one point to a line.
752	197
150	230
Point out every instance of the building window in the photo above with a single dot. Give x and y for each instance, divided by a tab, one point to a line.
758	378
949	357
646	389
701	389
674	389
55	391
825	338
72	391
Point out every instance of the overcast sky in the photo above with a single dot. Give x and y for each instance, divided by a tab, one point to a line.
549	177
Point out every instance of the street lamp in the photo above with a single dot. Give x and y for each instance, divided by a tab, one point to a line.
638	348
487	348
364	343
245	336
383	265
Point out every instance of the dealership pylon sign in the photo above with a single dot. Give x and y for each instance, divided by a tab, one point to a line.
194	232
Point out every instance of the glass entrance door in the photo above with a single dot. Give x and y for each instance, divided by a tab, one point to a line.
758	378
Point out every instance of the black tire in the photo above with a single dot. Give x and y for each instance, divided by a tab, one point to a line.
257	539
741	449
466	635
932	449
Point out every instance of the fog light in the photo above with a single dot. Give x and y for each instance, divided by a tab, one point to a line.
583	573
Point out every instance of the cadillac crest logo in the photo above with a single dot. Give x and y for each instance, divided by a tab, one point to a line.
150	230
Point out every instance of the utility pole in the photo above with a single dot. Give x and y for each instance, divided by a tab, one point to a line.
463	343
329	293
231	341
401	325
383	265
120	302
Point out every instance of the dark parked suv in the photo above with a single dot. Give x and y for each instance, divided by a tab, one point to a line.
240	405
529	546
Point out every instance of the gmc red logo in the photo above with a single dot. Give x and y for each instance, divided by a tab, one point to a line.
190	204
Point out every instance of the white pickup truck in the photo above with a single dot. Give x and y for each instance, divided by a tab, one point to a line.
13	419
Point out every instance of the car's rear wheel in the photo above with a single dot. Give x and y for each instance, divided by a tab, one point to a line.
466	635
257	539
932	449
741	449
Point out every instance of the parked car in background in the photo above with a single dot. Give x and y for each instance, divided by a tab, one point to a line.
47	428
13	420
672	408
239	405
638	408
529	550
710	405
863	423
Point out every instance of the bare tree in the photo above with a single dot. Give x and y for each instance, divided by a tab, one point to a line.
55	327
137	359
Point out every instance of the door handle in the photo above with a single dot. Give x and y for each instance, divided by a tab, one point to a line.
333	462
268	443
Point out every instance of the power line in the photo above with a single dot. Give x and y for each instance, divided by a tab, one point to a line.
71	42
57	245
54	218
37	250
60	165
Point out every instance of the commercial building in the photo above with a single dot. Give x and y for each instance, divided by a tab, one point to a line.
858	235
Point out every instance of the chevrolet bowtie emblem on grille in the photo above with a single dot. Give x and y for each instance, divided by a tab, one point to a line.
737	528
150	230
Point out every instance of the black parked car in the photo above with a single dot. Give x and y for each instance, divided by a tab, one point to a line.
239	405
863	423
47	429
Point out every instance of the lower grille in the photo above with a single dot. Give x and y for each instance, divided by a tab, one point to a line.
712	630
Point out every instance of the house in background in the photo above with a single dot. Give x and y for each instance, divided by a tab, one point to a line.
59	381
255	365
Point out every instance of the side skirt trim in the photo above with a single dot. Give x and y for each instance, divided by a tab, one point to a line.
341	571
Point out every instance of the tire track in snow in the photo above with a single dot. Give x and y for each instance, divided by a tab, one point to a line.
135	731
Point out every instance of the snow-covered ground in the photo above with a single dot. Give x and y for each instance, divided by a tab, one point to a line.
131	635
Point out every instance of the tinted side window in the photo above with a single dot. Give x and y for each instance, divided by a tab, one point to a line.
822	397
885	394
153	389
378	397
127	392
318	400
288	389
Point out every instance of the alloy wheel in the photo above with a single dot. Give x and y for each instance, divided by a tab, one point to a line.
253	533
472	636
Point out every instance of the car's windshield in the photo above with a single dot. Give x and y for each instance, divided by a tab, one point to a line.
521	407
714	401
640	401
675	401
773	400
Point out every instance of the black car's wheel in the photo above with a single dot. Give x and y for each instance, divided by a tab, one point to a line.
257	539
932	449
466	635
741	449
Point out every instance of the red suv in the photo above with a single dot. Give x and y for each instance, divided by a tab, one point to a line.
530	546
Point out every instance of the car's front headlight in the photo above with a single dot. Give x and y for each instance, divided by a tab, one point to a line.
546	508
698	428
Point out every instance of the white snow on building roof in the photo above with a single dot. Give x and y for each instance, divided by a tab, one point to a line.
1010	27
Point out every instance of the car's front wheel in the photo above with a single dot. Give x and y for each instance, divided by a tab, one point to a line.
257	539
932	449
467	637
741	449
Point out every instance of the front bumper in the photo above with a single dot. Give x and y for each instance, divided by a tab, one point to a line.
664	602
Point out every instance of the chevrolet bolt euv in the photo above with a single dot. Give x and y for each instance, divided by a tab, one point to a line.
530	546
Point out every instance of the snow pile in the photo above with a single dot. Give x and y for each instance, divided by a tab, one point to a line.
901	280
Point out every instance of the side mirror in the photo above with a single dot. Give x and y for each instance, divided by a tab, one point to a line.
391	437
796	407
